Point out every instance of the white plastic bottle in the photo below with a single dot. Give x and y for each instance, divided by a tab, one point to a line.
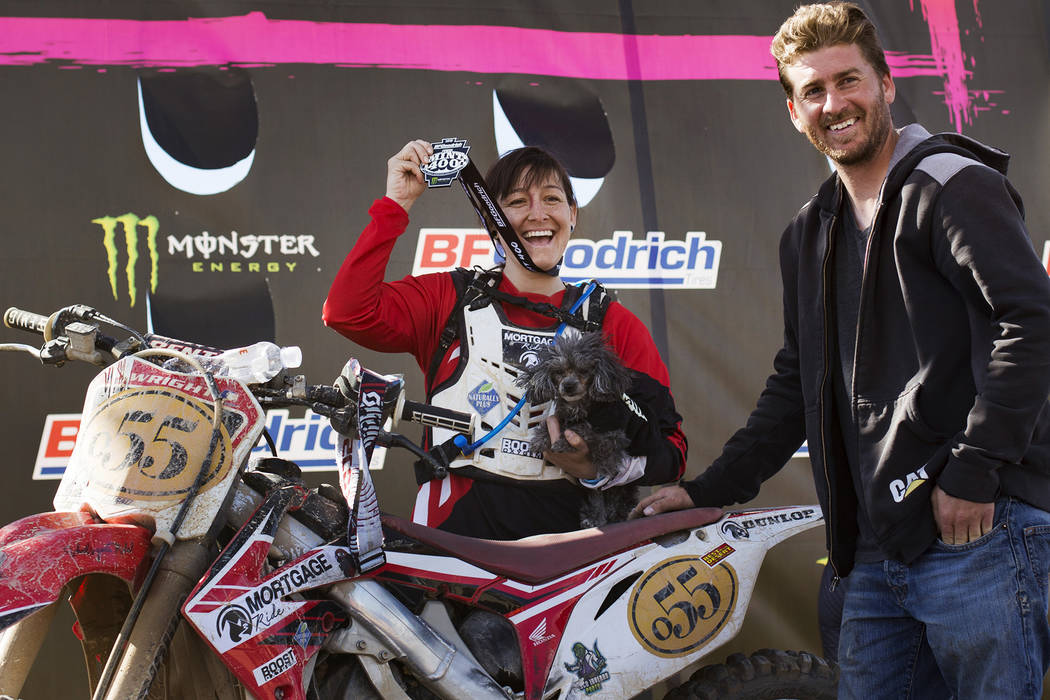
257	363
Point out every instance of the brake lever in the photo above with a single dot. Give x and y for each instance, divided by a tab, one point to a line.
343	420
53	352
21	347
386	439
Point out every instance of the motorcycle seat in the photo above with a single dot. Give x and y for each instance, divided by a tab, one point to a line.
540	558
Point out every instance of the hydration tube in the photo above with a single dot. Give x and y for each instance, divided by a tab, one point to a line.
460	441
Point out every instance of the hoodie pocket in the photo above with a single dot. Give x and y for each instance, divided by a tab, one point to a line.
915	420
900	457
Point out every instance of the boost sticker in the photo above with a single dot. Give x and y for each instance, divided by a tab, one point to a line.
680	604
275	667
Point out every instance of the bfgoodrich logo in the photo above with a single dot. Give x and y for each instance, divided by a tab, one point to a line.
624	262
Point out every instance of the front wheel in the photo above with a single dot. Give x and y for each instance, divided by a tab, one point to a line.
767	674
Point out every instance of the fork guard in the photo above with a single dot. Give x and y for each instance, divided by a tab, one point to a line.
40	554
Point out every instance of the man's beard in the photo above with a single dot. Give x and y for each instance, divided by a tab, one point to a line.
879	131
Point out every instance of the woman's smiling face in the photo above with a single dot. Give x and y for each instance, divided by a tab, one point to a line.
540	213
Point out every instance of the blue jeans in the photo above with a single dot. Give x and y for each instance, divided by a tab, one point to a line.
963	621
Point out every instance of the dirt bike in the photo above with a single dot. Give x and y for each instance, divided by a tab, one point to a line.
196	571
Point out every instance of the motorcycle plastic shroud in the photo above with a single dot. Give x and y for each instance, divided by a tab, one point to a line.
145	434
41	553
252	618
620	625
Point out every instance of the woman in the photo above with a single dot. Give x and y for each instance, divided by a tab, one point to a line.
501	491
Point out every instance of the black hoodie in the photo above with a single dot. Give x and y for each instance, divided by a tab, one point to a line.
952	359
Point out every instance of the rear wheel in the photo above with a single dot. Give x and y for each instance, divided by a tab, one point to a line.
768	674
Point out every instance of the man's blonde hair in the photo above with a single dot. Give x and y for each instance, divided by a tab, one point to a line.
819	26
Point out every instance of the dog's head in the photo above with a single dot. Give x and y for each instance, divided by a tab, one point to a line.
576	367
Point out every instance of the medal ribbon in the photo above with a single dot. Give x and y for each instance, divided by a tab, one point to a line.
494	220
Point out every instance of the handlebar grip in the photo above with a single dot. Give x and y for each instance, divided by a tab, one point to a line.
434	416
25	320
328	395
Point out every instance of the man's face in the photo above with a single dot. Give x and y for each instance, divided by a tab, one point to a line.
840	103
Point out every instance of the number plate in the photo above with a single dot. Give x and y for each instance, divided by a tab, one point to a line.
149	444
145	435
681	603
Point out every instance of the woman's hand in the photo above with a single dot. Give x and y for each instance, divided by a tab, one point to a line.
404	180
576	464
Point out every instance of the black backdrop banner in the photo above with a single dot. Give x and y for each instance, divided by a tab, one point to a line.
204	167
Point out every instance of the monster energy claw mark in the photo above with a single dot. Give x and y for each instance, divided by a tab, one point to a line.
130	224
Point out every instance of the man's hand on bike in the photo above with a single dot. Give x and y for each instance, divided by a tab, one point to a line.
666	499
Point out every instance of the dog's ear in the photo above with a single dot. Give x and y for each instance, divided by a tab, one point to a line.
604	382
611	379
524	377
541	384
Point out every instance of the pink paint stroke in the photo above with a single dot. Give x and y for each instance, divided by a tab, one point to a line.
254	40
946	45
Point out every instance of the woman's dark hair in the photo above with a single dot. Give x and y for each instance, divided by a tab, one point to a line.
535	164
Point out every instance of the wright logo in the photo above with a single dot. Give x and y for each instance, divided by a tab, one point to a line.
129	224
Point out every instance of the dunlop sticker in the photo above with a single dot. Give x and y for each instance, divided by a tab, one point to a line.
680	604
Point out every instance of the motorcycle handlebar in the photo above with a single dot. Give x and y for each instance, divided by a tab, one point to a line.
71	333
25	320
328	395
437	417
424	414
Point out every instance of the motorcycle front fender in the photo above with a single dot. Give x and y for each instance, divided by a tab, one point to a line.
40	554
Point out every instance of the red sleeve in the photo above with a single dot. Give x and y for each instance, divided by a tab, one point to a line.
634	344
402	316
632	341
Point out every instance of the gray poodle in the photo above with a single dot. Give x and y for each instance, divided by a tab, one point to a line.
579	371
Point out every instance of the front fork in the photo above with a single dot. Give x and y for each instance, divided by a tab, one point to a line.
100	603
19	645
179	572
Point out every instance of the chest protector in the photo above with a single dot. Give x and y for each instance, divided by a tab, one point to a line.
493	351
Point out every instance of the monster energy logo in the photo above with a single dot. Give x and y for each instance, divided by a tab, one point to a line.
130	224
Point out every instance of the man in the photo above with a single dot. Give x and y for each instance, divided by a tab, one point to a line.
916	361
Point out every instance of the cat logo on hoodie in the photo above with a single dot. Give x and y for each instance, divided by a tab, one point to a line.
902	488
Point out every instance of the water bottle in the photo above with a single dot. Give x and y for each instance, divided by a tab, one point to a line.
257	363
